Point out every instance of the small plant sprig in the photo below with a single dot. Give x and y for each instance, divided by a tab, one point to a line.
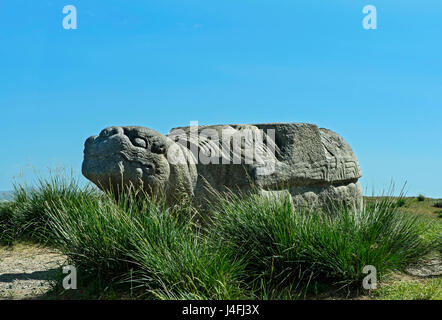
401	202
438	204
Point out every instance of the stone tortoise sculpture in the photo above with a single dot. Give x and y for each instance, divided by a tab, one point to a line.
315	166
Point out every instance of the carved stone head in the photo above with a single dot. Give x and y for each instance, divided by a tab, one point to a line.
135	156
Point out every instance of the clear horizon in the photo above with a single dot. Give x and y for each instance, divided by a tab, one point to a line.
162	64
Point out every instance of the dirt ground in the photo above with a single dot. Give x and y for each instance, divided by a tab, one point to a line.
25	270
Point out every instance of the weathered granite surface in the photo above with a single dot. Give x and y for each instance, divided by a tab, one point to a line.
314	165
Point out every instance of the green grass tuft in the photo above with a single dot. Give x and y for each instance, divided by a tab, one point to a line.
27	215
248	247
401	202
285	245
141	242
7	234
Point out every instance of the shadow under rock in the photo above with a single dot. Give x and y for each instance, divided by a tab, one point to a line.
36	275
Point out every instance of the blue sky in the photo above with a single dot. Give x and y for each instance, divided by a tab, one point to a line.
162	64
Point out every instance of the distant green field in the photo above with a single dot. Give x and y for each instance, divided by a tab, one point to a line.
427	208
